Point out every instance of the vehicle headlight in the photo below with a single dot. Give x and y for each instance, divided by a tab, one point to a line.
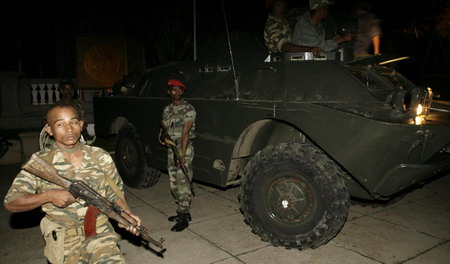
424	98
416	101
420	101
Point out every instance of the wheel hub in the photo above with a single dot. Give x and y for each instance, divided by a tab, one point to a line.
285	204
129	156
289	199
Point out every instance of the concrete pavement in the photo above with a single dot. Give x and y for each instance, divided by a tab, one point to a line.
414	230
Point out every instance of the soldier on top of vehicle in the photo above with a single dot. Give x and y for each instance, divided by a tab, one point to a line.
277	33
369	31
309	30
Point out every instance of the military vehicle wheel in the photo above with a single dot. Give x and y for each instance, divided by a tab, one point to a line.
131	162
294	195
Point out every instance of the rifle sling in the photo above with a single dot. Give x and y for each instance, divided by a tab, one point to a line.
111	183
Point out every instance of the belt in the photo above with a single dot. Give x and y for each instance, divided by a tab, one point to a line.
74	231
79	230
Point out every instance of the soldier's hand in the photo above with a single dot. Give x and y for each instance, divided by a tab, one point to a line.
160	138
344	38
316	51
348	37
177	163
60	198
132	229
169	143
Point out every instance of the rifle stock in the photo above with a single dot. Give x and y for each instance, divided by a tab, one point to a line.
42	169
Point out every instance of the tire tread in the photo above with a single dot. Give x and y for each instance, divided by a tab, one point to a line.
327	174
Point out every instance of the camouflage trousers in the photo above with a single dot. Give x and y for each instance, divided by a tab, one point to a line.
179	186
99	249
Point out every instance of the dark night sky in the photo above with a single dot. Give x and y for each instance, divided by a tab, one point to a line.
38	27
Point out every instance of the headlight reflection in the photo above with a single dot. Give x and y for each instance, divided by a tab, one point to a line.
419	120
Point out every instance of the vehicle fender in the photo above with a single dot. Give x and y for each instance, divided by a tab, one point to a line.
263	133
257	136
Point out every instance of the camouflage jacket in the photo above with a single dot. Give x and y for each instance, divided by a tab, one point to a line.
174	118
310	35
91	171
276	33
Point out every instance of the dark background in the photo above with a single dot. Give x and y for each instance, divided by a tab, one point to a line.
39	37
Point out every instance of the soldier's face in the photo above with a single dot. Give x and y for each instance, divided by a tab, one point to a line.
324	12
64	125
175	92
282	5
67	90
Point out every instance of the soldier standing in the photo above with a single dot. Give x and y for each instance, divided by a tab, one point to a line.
179	120
64	221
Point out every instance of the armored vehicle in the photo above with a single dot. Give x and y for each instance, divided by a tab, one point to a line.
300	134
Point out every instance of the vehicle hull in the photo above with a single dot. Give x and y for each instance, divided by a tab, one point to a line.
381	158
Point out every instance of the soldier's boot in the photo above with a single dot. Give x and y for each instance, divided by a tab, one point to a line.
182	222
176	217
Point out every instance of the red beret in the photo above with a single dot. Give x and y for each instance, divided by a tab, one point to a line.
174	82
269	3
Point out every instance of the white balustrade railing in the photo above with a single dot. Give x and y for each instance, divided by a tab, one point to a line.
25	101
44	93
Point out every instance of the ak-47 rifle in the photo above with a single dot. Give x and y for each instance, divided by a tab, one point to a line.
165	138
42	169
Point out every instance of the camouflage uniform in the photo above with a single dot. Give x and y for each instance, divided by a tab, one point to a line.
174	118
69	221
276	33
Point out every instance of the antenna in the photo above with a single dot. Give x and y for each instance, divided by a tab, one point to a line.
195	30
236	84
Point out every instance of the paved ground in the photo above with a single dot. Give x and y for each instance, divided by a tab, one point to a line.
415	230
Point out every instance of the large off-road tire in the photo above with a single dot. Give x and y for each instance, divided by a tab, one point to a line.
130	160
294	195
